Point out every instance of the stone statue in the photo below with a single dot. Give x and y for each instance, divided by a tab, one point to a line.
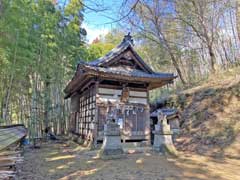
160	116
112	147
163	136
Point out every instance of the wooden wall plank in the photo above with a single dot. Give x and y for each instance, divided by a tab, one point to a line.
138	100
109	91
138	94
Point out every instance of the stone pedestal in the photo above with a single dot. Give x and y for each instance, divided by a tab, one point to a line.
163	139
112	147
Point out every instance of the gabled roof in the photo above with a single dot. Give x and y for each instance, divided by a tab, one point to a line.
170	113
127	43
127	71
111	67
112	54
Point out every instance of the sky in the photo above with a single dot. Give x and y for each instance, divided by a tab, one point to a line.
100	23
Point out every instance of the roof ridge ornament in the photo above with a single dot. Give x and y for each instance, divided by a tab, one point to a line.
128	38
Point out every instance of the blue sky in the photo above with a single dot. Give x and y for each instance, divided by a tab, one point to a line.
97	23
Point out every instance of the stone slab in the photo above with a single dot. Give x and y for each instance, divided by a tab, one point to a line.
164	144
112	147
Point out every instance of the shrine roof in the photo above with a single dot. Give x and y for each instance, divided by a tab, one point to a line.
128	71
121	63
110	55
168	112
127	43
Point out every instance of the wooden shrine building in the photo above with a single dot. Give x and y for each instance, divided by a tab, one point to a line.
114	86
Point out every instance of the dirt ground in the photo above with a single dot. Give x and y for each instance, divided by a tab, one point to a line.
58	161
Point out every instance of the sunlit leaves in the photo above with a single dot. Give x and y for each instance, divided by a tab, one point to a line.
33	43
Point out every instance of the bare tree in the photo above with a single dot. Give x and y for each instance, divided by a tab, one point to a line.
238	17
203	17
153	20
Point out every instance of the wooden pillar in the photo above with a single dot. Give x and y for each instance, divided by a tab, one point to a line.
75	99
95	122
147	125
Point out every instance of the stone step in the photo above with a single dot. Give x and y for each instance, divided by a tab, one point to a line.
136	150
134	144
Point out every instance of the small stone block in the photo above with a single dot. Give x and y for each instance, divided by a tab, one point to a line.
112	147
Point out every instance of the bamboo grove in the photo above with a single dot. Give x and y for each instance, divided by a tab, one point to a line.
39	47
42	41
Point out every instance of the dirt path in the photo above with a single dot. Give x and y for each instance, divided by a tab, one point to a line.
58	161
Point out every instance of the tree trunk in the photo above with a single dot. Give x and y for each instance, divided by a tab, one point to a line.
47	101
238	17
6	106
175	64
9	89
174	60
212	58
33	106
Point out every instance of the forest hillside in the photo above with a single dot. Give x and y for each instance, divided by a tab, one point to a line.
210	115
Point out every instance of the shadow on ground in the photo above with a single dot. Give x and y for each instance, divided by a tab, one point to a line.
62	162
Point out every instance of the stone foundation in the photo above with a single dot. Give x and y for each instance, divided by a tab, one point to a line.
163	143
163	139
112	147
